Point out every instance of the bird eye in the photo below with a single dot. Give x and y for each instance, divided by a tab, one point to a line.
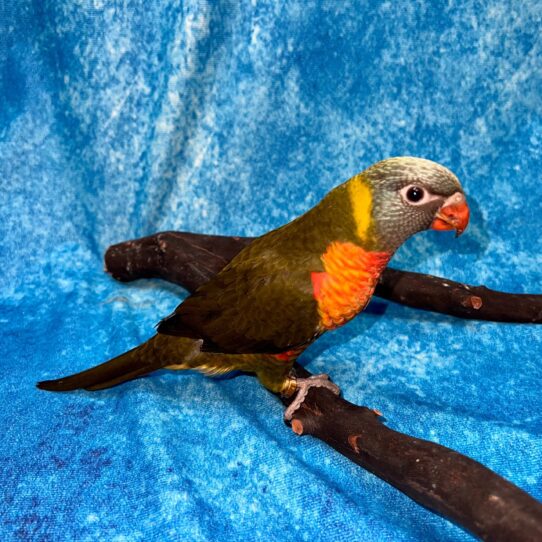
415	194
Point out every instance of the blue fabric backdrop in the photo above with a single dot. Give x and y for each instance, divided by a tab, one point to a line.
119	119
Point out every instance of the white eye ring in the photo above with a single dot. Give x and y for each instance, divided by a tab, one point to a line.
414	194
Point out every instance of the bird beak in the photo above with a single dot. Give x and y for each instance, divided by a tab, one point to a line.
453	215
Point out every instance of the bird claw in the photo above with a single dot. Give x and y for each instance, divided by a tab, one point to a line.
303	385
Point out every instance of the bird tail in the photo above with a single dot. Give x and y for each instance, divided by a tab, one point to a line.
145	358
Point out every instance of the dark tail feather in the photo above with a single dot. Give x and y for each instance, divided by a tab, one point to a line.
137	362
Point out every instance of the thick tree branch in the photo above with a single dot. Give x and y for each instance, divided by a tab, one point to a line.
445	481
437	477
187	258
448	297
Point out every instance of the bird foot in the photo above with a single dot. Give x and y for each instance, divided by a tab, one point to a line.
303	385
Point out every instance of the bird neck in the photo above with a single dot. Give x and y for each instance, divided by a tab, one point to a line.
347	214
360	198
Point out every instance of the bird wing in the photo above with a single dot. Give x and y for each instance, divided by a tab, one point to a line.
259	303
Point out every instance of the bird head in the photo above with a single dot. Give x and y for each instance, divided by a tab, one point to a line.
408	195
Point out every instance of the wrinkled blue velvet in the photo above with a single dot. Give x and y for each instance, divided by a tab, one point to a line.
121	119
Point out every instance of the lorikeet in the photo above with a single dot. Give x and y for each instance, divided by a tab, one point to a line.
291	285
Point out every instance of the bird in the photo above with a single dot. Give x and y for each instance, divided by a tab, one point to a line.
293	284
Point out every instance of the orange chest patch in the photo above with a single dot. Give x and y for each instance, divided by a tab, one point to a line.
348	282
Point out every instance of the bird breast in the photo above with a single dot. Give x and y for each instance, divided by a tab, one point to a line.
347	283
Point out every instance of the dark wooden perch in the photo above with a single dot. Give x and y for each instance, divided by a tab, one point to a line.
189	259
437	477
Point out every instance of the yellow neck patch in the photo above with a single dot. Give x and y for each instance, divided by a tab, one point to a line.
361	201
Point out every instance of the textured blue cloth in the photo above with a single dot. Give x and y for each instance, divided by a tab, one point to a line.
119	119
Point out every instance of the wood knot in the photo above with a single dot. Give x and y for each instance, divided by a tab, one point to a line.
297	426
472	302
353	441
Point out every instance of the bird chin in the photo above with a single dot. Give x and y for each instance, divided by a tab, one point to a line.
440	224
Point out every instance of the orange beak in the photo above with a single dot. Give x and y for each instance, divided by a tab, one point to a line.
453	215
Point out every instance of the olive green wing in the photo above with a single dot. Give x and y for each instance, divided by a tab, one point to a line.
259	304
